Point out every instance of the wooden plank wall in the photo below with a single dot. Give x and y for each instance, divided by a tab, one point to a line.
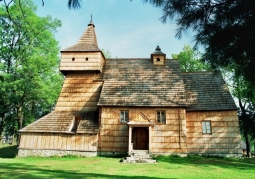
78	142
95	61
225	137
169	137
113	133
79	93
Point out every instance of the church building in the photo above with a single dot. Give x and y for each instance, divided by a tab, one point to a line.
123	105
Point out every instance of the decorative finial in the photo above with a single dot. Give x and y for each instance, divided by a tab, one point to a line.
91	22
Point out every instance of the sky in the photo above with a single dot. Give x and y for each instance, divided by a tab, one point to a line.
128	29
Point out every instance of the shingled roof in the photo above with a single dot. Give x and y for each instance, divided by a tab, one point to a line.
60	122
207	91
86	43
137	82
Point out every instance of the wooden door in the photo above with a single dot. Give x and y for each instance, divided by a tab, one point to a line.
140	136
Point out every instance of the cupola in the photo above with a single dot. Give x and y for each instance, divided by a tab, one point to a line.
158	57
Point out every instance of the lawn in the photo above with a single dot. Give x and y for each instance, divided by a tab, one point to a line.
105	167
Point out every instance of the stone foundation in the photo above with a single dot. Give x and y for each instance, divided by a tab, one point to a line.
112	154
59	153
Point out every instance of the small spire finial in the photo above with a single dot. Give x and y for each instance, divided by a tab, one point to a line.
91	22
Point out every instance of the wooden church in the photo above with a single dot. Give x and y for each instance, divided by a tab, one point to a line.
123	105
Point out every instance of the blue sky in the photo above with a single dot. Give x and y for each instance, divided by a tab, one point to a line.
126	29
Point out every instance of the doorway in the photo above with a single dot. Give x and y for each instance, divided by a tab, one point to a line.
140	138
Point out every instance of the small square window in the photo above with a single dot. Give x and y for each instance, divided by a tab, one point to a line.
124	116
161	117
206	127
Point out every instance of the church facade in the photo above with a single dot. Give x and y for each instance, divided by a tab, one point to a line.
120	106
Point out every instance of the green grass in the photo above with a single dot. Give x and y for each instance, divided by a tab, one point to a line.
108	168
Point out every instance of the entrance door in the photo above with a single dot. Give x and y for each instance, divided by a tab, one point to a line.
140	136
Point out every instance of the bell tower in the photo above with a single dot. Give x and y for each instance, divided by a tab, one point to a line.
84	55
82	65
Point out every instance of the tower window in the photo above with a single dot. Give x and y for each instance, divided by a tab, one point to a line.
73	59
158	59
86	58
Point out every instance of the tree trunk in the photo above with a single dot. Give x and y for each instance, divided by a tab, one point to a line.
1	131
245	119
247	141
20	124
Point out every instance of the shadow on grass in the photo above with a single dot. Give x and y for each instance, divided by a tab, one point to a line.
193	160
21	170
9	151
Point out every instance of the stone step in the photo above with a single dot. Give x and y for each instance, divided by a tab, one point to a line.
139	157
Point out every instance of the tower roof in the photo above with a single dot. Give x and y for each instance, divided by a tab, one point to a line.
158	51
87	41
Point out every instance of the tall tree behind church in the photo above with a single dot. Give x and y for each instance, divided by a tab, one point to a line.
28	64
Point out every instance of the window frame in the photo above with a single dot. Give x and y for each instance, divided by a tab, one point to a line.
208	131
125	115
160	114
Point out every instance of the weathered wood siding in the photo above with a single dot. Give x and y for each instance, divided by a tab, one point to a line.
79	142
169	137
113	133
82	61
79	92
225	137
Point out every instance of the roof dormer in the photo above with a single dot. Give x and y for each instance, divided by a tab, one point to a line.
158	57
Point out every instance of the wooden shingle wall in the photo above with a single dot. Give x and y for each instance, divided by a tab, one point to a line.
225	137
80	61
79	93
169	137
160	62
113	133
58	141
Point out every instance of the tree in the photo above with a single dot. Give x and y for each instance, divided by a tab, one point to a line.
190	60
224	27
107	53
244	94
28	64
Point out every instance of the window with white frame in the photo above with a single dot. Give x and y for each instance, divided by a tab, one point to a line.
206	127
124	116
161	117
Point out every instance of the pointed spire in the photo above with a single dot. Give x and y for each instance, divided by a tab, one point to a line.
87	41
